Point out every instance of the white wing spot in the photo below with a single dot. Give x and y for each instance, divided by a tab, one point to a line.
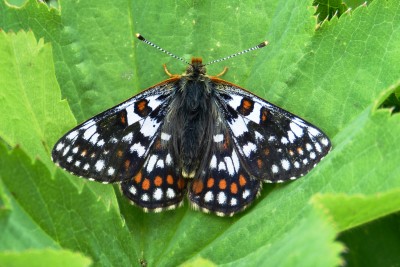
291	136
238	126
99	165
77	163
86	166
236	162
318	147
140	150
271	138
209	196
59	146
160	163
100	143
89	132
246	193
259	137
221	166
151	163
233	201
170	193
298	131
111	171
168	159
128	138
75	150
72	135
69	159
218	138
145	197
94	138
229	165
165	136
149	127
284	140
157	195
275	169
312	155
133	190
213	163
221	198
309	147
313	131
248	148
305	161
325	141
285	164
296	164
66	150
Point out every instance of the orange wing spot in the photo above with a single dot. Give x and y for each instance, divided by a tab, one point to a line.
127	163
146	184
300	150
246	104
226	142
210	182
181	183
157	181
141	105
266	151
138	177
260	163
123	119
84	152
242	180
158	144
234	188
264	114
291	153
197	186
222	184
170	179
120	153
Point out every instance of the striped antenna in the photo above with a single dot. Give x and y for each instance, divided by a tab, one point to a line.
141	38
263	44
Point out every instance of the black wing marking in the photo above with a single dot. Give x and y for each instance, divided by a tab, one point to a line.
274	145
157	186
113	145
225	187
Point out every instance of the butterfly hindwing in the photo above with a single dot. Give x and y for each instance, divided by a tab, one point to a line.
113	145
225	187
274	144
157	186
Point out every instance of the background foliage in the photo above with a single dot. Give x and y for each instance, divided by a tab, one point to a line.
59	66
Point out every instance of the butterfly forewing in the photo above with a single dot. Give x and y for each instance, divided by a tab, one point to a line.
274	144
113	145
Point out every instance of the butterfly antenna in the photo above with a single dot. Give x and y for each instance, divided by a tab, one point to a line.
263	44
141	38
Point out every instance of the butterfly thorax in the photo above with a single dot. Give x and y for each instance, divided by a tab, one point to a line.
191	120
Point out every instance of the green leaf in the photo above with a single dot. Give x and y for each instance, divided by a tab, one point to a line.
46	257
334	75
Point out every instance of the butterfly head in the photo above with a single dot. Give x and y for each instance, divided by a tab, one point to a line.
196	68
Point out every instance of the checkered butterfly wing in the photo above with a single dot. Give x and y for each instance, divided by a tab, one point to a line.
273	144
113	146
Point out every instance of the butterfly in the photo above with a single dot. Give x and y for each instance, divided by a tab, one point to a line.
194	135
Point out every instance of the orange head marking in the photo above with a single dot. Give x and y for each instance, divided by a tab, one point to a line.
197	61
